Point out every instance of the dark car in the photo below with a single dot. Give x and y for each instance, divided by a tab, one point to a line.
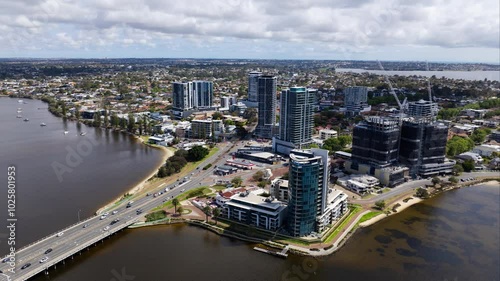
48	251
26	266
6	260
114	221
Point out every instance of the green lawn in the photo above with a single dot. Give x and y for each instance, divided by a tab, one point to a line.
154	216
203	190
369	216
341	226
219	187
193	165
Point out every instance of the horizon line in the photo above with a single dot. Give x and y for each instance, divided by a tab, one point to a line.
249	59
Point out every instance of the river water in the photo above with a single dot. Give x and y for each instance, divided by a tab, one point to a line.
465	75
60	177
454	236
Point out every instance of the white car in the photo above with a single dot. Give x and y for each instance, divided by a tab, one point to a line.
60	234
114	212
106	214
106	228
44	259
103	217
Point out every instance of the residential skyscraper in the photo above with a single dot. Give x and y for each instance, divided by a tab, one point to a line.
296	116
253	80
356	100
203	94
190	95
308	190
182	97
266	92
422	109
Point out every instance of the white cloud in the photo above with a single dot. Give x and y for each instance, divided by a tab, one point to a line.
351	26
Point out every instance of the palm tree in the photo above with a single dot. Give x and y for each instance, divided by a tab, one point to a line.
175	201
216	213
208	211
180	210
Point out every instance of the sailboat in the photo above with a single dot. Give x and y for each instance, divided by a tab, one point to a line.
43	124
66	132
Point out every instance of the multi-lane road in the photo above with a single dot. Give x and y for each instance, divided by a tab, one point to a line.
68	242
407	186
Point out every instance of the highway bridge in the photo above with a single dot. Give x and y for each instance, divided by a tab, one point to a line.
66	243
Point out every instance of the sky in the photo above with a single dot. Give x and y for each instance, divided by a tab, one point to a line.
410	30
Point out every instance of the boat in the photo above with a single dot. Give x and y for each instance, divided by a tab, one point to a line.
66	132
43	124
20	101
19	116
83	133
26	119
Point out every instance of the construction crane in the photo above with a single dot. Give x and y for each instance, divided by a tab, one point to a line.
402	106
429	84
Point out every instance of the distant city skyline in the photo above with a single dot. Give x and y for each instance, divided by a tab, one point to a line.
458	31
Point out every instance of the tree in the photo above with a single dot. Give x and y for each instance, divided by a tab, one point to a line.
175	201
453	180
237	181
216	212
106	120
262	184
380	204
458	169
422	193
468	165
217	116
208	211
258	176
77	112
458	145
197	153
131	123
180	210
162	172
435	180
97	119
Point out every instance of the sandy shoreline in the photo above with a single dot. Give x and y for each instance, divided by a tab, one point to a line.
382	216
139	186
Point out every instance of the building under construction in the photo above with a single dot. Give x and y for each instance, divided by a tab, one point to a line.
375	141
423	147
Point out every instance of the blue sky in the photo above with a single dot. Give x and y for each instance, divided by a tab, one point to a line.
432	30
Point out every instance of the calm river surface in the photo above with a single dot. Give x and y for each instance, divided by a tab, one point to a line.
466	75
454	236
100	166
